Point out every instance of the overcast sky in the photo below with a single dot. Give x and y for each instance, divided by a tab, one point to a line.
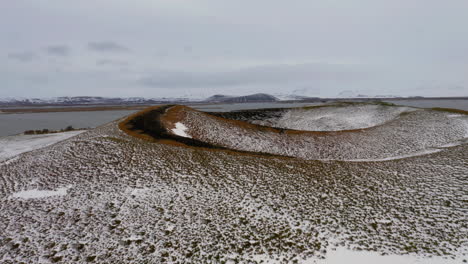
155	48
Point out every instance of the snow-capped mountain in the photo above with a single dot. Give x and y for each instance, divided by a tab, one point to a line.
88	100
357	94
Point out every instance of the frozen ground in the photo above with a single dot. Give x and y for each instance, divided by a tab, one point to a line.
133	201
11	146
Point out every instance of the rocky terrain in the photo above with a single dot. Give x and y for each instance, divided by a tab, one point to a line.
136	196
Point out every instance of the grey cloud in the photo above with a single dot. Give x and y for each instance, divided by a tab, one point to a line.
22	56
108	62
58	50
262	75
107	46
440	87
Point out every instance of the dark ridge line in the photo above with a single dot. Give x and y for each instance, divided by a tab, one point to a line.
150	124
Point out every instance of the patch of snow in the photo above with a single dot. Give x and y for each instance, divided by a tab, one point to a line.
455	115
180	130
170	228
134	238
344	255
36	194
139	191
414	154
11	146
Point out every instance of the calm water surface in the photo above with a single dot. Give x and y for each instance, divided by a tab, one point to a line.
11	124
457	103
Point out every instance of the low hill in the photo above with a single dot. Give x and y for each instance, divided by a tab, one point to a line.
259	97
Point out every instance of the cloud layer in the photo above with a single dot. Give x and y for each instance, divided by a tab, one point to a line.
172	48
107	46
58	50
22	56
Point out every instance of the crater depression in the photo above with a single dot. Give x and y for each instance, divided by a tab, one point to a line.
340	131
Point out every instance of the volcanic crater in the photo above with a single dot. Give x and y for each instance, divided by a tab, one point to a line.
338	131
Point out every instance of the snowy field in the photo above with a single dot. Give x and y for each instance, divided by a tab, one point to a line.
11	146
342	255
345	256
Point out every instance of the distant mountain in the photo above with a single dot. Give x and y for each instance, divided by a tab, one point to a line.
259	97
301	94
87	100
349	94
294	97
98	100
355	94
218	98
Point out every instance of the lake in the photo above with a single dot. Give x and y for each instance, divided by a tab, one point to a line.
428	103
11	124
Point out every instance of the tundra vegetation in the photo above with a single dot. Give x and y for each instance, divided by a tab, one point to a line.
239	192
47	131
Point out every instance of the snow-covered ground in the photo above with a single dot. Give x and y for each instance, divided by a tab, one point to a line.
11	146
343	255
134	201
